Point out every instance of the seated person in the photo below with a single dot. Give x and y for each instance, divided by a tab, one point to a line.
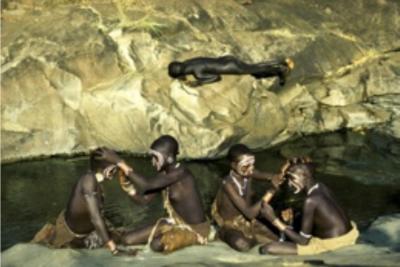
325	226
233	210
81	224
208	70
186	222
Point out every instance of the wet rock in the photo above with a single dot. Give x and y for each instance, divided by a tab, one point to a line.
385	232
378	253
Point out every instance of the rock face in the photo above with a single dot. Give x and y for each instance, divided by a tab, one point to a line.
374	251
93	73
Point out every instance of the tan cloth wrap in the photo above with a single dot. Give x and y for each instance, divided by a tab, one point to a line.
250	229
179	234
58	235
317	245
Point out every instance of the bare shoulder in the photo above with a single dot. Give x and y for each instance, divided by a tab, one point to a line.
182	170
227	183
313	199
87	180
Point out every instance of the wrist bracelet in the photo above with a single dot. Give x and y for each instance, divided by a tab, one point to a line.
267	197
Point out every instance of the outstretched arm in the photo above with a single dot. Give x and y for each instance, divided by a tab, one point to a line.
157	182
144	184
259	175
129	188
308	216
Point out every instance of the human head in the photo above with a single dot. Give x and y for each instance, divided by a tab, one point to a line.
102	168
241	160
300	174
175	69
164	151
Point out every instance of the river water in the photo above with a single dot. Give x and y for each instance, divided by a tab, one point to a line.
362	169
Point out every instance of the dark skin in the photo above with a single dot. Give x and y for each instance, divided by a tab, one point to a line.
84	212
208	70
322	217
231	204
183	195
84	209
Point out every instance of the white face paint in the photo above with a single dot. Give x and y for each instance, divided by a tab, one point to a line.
245	166
296	182
157	159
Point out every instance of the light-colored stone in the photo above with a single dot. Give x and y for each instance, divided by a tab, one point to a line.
380	253
93	73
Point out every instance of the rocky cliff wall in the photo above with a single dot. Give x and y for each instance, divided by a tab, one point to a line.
82	74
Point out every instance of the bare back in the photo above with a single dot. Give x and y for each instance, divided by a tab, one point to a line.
329	219
77	213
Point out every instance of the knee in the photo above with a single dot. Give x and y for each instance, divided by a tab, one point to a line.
241	245
125	240
156	245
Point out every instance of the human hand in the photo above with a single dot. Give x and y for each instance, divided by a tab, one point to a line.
287	215
107	155
125	168
277	180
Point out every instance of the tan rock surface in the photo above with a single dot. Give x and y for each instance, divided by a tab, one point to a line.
93	73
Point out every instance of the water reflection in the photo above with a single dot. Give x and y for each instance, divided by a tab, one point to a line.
363	171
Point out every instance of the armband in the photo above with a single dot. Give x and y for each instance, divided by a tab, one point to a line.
305	235
268	195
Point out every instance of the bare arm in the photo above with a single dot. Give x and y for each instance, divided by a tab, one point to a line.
93	205
249	212
142	199
157	182
129	188
145	184
306	228
204	78
259	175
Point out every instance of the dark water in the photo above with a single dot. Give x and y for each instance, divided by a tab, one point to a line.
363	171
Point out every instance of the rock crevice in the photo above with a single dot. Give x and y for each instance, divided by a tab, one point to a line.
82	75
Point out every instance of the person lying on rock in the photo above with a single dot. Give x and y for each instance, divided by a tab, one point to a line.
233	210
82	224
185	223
325	225
209	70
